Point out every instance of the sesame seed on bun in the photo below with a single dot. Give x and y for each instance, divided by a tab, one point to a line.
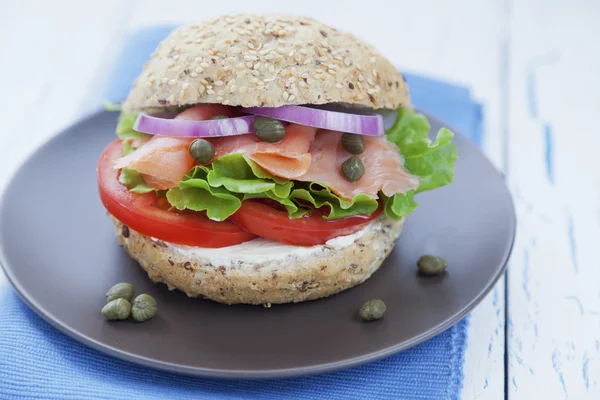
266	61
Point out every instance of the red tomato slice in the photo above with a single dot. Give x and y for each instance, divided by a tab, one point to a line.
148	215
270	223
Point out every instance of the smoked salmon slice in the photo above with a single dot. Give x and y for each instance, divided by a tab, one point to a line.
383	167
289	158
162	161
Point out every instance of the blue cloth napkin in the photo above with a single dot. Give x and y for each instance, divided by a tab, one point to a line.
39	362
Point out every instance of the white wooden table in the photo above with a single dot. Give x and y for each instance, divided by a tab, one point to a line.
534	64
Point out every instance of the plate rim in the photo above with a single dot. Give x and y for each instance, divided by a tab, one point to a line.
264	373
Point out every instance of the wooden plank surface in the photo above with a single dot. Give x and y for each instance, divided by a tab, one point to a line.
61	62
554	279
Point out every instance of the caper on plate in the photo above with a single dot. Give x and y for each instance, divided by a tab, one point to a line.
144	307
117	309
372	310
121	290
432	265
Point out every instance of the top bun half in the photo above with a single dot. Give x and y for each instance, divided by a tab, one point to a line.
266	61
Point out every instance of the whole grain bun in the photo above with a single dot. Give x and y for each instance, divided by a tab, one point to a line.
266	61
294	278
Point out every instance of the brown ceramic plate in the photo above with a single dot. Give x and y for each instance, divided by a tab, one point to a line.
58	250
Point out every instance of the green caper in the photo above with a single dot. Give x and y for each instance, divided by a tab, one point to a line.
120	291
354	144
220	117
117	309
372	310
268	129
431	265
353	169
144	307
202	151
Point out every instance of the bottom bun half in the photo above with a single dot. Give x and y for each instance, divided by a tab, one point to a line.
230	277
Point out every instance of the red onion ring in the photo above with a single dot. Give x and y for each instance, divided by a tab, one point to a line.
154	125
371	125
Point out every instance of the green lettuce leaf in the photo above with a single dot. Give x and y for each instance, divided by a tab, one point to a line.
238	174
319	196
125	127
261	173
399	205
219	188
194	193
233	172
433	163
134	181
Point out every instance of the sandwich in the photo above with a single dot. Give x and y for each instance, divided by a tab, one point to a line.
252	162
